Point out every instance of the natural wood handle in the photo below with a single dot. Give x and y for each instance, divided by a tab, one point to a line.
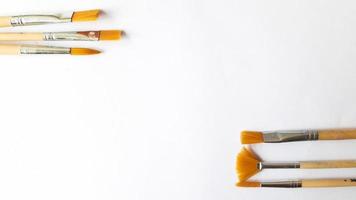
328	164
337	134
9	49
5	21
21	36
329	183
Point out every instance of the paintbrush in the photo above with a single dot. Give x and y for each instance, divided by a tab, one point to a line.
249	164
63	36
308	183
250	137
16	49
39	19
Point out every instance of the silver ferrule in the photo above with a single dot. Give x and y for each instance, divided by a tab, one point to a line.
282	184
26	20
71	36
290	136
278	165
44	50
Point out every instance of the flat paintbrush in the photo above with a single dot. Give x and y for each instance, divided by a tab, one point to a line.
39	19
16	49
62	36
250	137
249	164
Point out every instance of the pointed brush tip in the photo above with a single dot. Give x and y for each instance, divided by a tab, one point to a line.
84	51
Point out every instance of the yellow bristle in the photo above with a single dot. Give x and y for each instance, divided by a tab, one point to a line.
110	35
248	184
246	164
83	51
88	15
251	137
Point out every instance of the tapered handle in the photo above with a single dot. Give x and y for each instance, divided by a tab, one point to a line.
329	183
21	36
5	21
342	134
328	164
10	49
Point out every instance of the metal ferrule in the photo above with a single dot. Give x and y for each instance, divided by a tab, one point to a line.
71	36
44	50
26	20
282	184
290	136
276	165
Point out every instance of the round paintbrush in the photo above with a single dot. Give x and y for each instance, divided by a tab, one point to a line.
307	183
16	49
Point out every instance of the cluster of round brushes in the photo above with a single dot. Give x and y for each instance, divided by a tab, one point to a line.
249	164
40	19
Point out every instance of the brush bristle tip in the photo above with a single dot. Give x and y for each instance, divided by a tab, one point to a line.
246	164
83	51
248	184
110	35
87	15
251	137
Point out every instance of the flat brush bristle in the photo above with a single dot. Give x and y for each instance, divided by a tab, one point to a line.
246	164
88	15
110	35
83	51
248	184
251	137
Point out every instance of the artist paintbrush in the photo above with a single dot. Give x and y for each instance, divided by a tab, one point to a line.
249	164
39	19
307	183
62	36
250	137
16	49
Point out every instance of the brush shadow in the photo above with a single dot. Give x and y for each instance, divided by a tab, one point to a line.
104	14
124	34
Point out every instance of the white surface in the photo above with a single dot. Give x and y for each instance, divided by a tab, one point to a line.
158	115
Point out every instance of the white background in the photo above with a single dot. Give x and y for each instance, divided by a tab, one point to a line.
157	116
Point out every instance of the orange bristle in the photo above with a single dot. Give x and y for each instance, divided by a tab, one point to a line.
251	137
110	35
88	15
248	184
83	51
246	164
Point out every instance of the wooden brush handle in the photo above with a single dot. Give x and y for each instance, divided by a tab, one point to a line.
5	21
337	134
328	164
21	36
10	49
329	183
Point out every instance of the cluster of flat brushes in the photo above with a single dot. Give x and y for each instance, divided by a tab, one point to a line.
40	19
249	164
